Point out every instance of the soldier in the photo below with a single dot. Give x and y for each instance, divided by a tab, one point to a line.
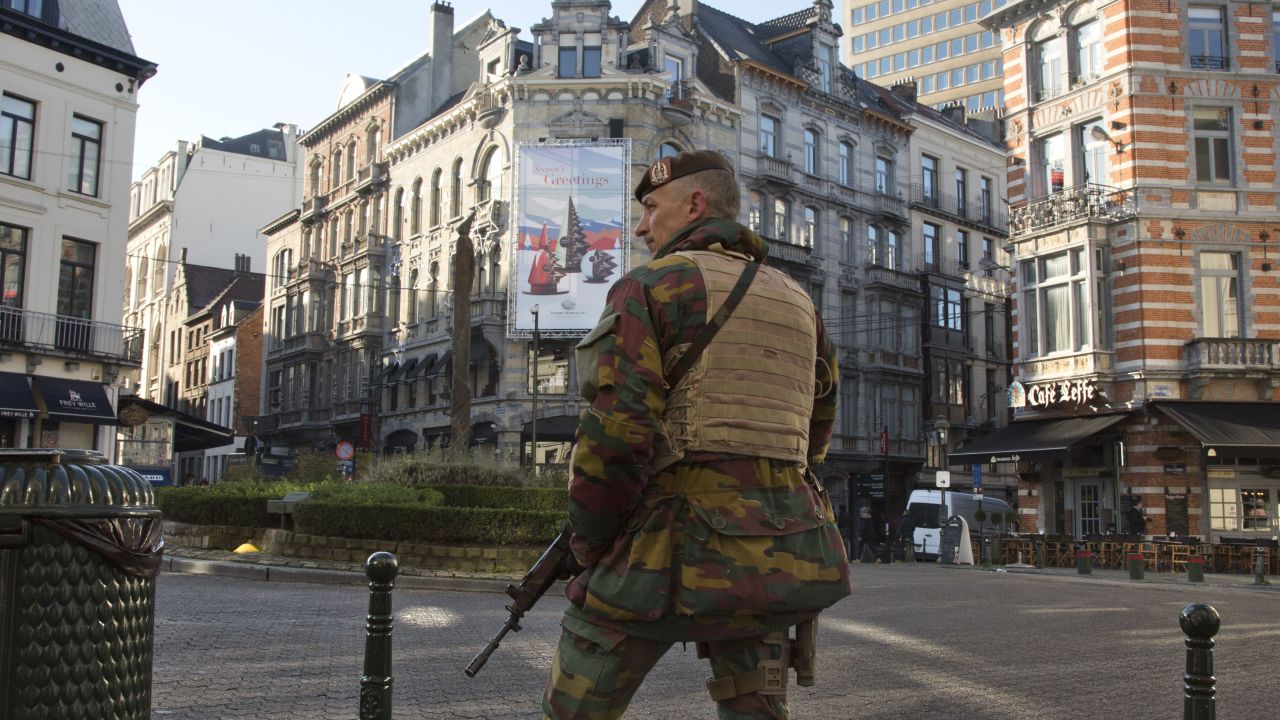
692	503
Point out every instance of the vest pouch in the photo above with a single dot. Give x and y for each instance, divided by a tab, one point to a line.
760	552
633	581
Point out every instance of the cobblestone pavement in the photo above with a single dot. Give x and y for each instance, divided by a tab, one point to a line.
918	642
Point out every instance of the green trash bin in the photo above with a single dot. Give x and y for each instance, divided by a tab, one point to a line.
80	549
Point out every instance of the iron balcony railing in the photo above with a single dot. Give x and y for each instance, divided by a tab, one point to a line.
978	213
21	329
1209	62
1045	94
1082	202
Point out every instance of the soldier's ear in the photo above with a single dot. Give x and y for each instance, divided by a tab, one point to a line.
697	204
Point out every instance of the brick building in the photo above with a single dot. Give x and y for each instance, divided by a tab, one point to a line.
1143	224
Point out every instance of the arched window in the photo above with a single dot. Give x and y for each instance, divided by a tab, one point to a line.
412	315
415	212
755	202
335	176
362	219
315	178
371	144
397	216
846	164
847	243
332	245
455	190
348	225
435	197
351	160
668	149
495	270
141	291
810	226
491	187
780	219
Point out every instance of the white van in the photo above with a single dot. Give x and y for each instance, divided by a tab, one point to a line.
923	507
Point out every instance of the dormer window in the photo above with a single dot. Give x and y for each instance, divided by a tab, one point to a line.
568	63
591	55
824	68
673	68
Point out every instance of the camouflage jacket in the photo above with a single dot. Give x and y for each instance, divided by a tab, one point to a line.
716	544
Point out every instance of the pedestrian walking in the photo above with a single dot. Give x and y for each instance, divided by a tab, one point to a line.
907	530
696	520
866	533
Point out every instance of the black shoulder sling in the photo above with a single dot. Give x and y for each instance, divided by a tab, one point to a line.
713	325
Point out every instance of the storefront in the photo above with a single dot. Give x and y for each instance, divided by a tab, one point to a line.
17	410
151	435
72	413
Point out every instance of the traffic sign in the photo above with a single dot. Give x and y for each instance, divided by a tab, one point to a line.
977	477
345	450
943	478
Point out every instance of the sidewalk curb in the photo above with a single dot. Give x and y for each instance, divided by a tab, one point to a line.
322	576
1120	579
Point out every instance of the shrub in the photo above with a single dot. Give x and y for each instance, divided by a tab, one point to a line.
379	494
436	467
417	522
525	498
239	503
313	467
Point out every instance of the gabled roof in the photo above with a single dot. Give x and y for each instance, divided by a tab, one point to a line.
244	287
204	283
737	38
97	20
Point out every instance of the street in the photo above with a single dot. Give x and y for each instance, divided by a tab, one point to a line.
912	642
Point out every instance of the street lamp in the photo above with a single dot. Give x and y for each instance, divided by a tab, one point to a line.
941	426
533	426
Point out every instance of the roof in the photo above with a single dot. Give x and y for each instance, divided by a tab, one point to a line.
267	143
204	283
770	29
737	38
98	20
899	107
245	287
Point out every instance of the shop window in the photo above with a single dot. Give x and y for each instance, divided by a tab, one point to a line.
1257	509
1222	509
553	371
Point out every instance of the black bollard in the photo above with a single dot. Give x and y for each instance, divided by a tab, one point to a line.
1200	623
375	683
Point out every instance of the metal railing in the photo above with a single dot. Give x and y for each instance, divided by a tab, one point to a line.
977	213
1045	94
1209	62
1083	202
21	328
928	262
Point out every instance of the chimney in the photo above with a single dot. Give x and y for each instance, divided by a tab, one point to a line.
905	90
954	113
441	54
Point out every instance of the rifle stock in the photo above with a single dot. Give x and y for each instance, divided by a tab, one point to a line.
556	563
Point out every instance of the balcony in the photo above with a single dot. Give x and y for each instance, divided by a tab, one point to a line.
1232	354
775	169
978	214
75	337
931	263
307	342
677	108
886	204
1046	94
370	177
1071	206
312	208
787	252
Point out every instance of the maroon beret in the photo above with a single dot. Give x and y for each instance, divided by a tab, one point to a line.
686	163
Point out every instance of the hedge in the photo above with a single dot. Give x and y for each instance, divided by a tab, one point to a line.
414	523
497	496
242	504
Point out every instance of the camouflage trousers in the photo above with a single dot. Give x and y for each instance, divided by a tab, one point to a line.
594	678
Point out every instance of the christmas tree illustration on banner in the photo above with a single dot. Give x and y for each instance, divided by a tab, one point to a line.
603	266
545	275
573	240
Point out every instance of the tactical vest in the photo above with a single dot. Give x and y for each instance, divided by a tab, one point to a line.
751	392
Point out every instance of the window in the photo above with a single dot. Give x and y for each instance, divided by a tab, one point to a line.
1093	144
848	405
810	226
948	310
929	179
1220	294
436	199
17	136
86	151
962	249
282	268
1256	505
1051	160
962	191
568	56
891	256
1055	304
335	170
755	201
768	136
674	68
984	199
873	245
884	175
455	190
780	219
1212	127
13	266
847	241
351	160
932	246
846	164
34	8
988	259
1207	38
552	370
591	55
491	170
1222	509
811	152
1088	50
1275	37
75	294
411	313
1049	69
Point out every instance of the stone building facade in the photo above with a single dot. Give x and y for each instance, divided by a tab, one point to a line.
1142	176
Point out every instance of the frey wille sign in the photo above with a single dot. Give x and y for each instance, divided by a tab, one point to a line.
1061	392
73	402
572	207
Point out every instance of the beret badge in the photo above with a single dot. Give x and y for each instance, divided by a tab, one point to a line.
660	172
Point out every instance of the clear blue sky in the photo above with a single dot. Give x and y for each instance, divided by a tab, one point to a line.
236	66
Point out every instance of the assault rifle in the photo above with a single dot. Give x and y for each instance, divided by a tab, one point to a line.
557	563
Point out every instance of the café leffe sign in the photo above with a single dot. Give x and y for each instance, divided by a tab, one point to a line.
1051	394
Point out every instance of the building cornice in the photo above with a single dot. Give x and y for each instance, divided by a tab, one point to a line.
347	112
777	75
25	27
153	215
281	222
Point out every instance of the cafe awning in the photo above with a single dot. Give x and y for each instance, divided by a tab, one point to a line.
422	365
1024	440
75	401
409	366
1227	424
558	428
16	400
380	378
190	433
441	363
